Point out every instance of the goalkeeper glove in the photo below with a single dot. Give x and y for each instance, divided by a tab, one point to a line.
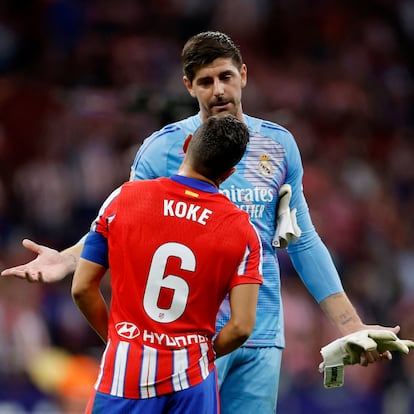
347	351
385	344
287	229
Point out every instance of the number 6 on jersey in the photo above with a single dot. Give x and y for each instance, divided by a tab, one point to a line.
156	281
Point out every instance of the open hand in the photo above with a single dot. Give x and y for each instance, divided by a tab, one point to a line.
49	266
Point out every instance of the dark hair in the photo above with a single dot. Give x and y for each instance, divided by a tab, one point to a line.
218	145
204	48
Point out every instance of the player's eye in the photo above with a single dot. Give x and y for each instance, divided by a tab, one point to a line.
204	81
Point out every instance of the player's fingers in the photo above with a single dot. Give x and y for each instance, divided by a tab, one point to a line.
32	246
363	360
32	278
386	355
7	272
369	357
374	356
14	271
396	329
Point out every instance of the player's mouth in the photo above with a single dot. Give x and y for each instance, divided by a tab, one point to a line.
221	106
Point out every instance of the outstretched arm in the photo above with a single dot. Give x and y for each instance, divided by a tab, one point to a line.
49	266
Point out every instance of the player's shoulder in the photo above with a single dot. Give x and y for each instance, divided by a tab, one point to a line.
144	184
173	132
266	128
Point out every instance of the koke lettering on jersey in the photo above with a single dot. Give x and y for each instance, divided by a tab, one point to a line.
188	211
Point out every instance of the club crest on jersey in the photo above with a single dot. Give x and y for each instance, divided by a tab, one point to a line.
265	166
127	330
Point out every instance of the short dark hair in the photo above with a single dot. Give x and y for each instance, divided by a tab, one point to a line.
218	145
203	48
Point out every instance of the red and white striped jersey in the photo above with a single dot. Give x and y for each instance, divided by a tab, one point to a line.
176	248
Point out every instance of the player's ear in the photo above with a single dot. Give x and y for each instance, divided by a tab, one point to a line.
188	84
186	142
243	75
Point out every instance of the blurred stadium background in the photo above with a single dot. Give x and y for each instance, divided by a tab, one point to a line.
83	82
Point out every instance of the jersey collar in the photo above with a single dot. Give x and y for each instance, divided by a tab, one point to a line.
192	182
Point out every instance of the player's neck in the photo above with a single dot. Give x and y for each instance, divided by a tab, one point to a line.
189	172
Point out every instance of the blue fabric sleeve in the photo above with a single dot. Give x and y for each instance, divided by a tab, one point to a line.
95	249
161	154
310	256
312	260
153	158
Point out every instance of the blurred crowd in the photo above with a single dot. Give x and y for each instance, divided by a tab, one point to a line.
83	82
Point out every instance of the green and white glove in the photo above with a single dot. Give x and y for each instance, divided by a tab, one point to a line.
287	228
384	344
347	350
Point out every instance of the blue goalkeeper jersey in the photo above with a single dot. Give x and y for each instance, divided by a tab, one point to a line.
272	158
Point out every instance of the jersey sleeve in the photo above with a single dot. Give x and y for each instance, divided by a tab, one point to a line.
309	254
147	160
159	155
250	267
106	213
95	247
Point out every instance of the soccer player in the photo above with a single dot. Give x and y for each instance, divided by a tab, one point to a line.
176	248
215	74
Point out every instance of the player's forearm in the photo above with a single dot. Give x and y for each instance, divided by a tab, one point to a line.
231	337
71	257
93	307
342	313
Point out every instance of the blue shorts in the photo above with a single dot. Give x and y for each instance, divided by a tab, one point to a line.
249	380
200	399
